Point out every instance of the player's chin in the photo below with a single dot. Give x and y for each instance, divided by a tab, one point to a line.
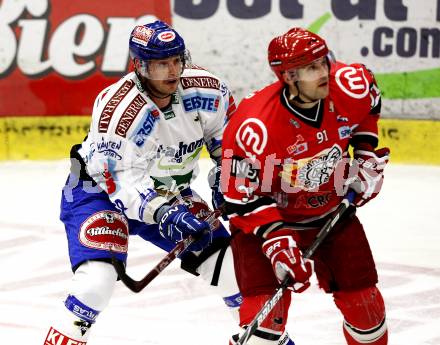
171	83
323	88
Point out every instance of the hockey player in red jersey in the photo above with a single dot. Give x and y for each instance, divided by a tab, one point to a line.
286	168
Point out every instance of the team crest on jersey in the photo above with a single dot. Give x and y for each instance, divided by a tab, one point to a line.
105	230
252	137
352	81
310	173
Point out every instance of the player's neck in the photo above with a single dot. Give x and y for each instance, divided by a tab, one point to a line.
303	102
300	100
307	105
160	99
161	103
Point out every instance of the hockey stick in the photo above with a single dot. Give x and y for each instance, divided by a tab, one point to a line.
139	285
270	304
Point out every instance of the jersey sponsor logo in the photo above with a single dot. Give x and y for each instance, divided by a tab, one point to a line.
55	337
142	35
344	132
105	230
147	128
175	155
109	108
252	137
242	168
169	114
200	101
310	173
200	82
129	115
351	82
314	201
110	148
341	118
298	147
166	36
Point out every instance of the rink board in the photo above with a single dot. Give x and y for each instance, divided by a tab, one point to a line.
50	137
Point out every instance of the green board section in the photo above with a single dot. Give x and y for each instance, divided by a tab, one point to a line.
401	85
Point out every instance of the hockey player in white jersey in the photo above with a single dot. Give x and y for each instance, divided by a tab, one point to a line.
132	176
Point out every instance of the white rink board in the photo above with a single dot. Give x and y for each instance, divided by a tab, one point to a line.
402	225
387	36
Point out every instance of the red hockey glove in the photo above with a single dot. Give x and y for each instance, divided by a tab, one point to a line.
368	167
286	259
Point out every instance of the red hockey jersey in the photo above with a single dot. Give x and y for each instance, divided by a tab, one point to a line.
279	166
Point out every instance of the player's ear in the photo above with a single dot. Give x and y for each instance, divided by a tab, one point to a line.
291	83
289	77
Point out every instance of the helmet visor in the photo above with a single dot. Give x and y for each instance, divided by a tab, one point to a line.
163	69
316	70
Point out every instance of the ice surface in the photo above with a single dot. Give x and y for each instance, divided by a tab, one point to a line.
402	224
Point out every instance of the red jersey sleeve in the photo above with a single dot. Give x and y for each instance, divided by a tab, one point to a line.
246	174
367	131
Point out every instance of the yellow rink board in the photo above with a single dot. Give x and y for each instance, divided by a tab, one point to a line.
50	137
40	137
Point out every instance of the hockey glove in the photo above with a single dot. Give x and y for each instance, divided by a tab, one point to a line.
218	201
177	223
368	176
286	259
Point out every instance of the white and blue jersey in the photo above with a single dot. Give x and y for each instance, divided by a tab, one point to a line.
141	155
137	157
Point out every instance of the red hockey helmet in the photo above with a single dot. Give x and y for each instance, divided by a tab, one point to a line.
294	49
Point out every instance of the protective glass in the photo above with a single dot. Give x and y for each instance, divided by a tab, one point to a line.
163	69
314	71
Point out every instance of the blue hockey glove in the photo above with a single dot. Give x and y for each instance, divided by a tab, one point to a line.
218	201
177	223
